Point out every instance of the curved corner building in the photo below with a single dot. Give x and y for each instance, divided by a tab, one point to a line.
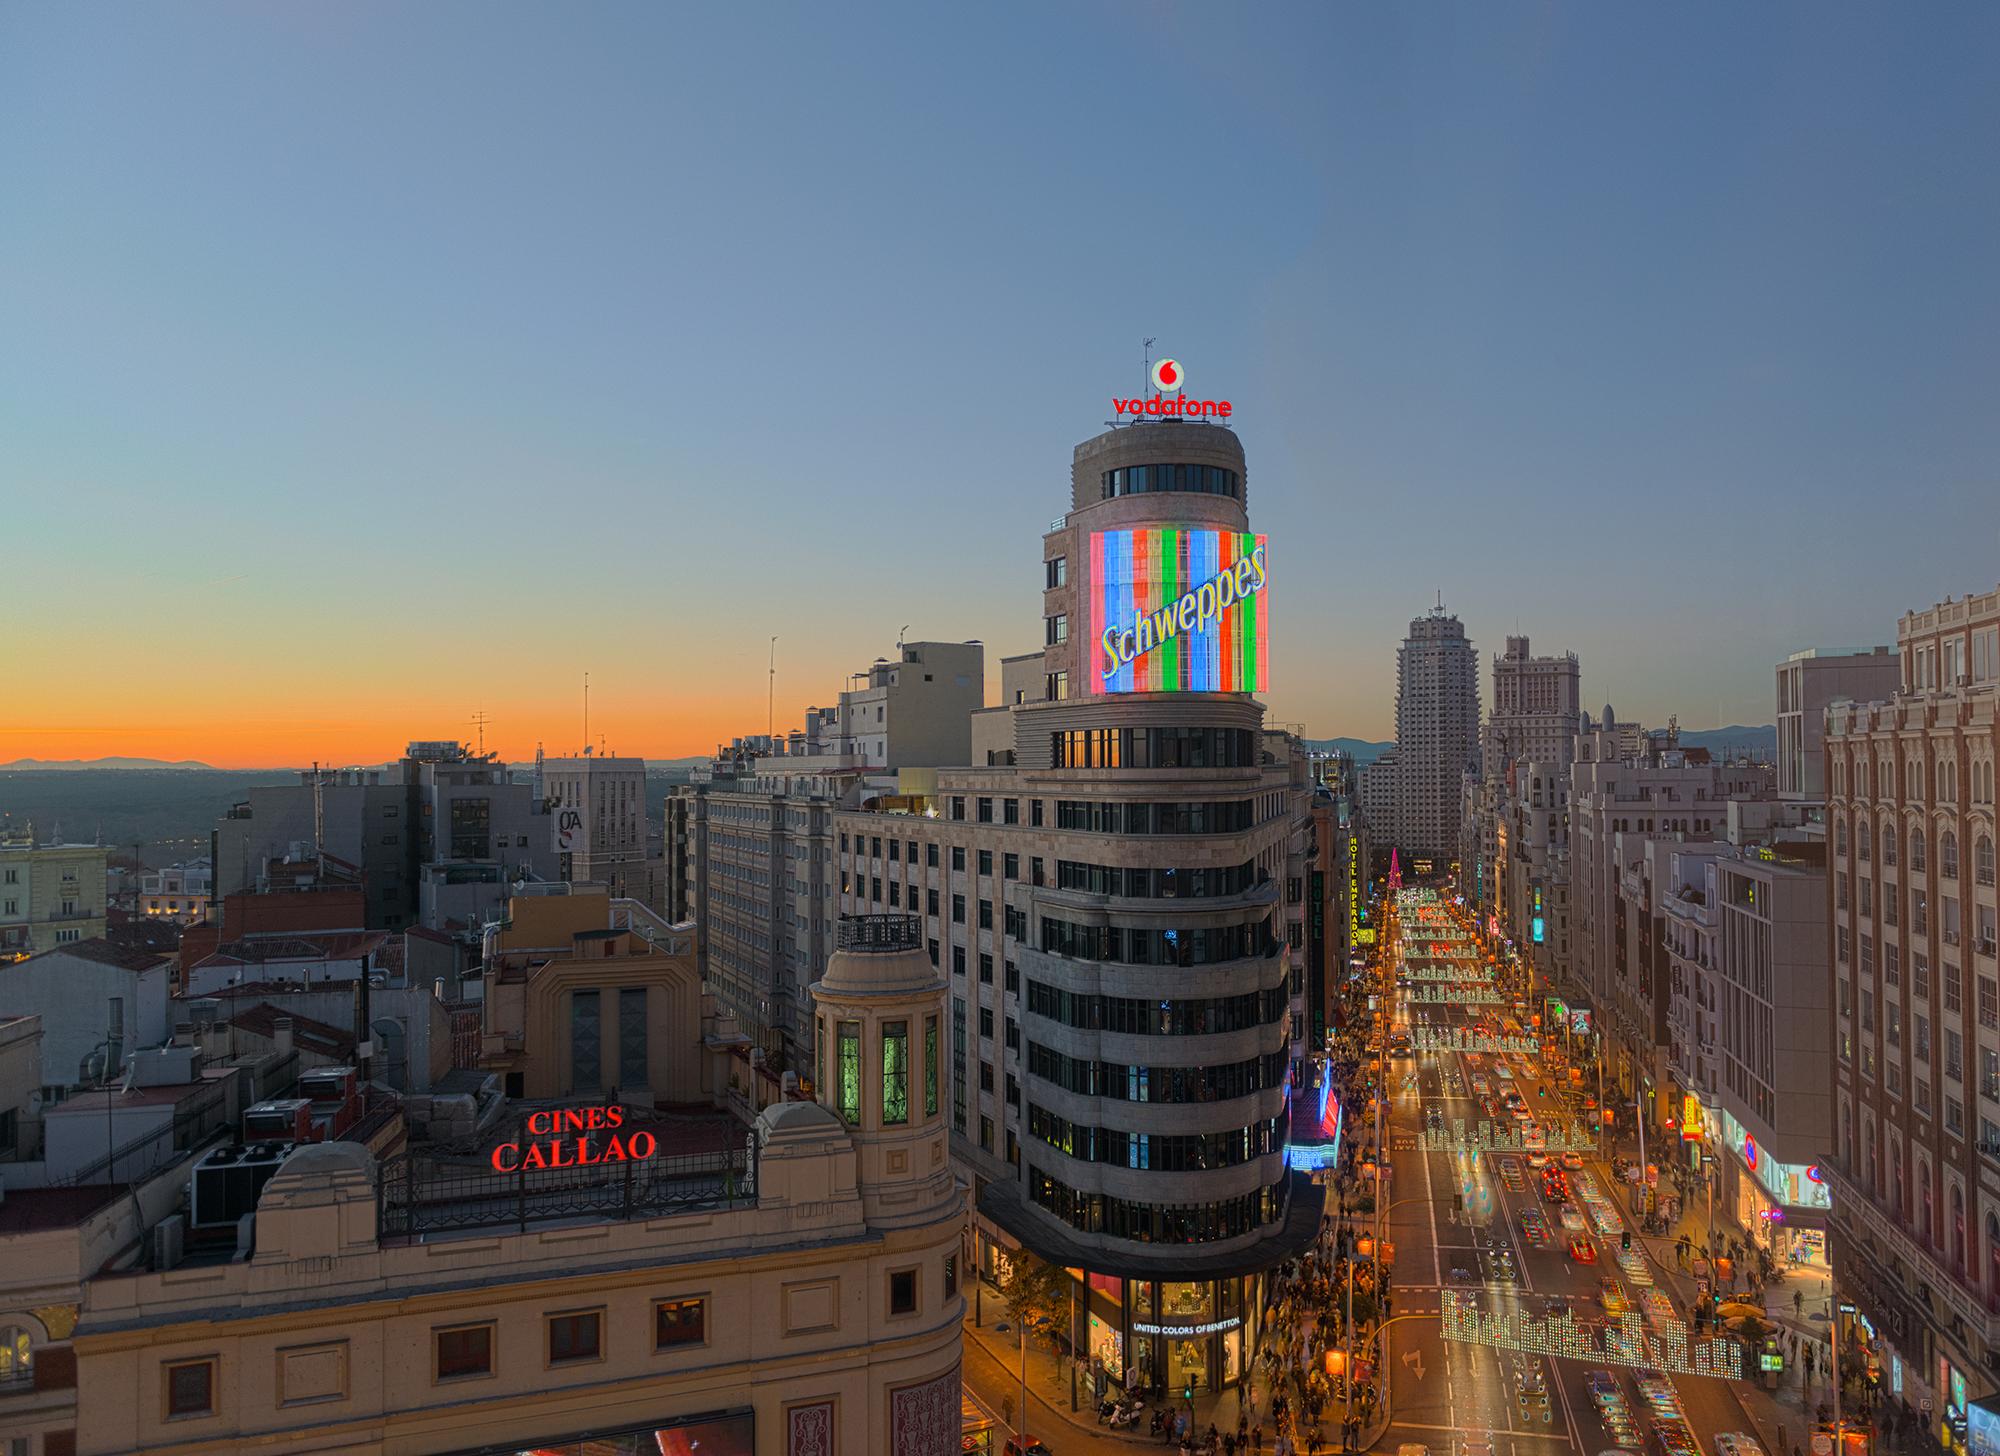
1115	896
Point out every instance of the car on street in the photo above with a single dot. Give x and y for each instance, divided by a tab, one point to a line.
1611	1294
1026	1446
1572	1161
1532	1393
1537	1158
1572	1219
1555	1187
1735	1443
1582	1250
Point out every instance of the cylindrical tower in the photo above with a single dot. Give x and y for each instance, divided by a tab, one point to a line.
1156	974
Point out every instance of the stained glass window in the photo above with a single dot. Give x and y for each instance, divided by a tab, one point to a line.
850	1071
895	1072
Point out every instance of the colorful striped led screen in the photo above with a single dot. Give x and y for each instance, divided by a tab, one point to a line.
1178	609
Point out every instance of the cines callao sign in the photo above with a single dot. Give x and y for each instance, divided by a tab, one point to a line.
567	1138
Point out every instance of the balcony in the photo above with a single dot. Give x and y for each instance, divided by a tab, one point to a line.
1934	1280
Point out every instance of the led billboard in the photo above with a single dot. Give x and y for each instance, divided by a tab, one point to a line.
1178	609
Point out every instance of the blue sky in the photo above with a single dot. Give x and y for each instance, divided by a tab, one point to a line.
404	359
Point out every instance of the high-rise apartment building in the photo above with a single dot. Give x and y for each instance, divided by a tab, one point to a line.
1437	734
750	839
1912	908
1514	839
1536	703
1619	803
1807	682
1119	914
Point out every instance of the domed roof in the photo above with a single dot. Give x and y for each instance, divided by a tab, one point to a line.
887	973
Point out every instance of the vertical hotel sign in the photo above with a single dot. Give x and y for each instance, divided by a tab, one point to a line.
1178	609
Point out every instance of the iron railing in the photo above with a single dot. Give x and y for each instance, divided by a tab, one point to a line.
878	932
430	1191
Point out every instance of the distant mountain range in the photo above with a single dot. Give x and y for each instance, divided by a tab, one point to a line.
1759	741
47	765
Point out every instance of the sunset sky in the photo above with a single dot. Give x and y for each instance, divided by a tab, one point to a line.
364	366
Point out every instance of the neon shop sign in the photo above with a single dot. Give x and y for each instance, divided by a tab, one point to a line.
567	1137
1191	613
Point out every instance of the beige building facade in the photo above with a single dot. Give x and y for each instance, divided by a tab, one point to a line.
793	1291
1916	988
50	895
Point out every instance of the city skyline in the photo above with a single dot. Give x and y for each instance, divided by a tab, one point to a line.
1653	366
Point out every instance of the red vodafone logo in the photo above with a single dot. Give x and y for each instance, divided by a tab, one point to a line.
1168	401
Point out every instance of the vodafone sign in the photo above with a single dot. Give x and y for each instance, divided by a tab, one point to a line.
1167	401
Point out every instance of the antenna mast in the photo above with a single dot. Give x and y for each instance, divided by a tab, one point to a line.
479	721
771	693
1146	368
319	821
586	712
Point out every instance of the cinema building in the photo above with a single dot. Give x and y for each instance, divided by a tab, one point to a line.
1115	896
584	1276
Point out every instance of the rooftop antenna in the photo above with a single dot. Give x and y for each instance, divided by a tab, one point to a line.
771	690
319	822
479	721
586	715
1146	367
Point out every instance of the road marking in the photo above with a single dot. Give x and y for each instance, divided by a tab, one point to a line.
1415	1360
1490	1430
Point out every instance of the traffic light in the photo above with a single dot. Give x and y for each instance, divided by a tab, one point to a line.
1625	1239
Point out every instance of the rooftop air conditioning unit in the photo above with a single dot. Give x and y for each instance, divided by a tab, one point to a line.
169	1241
228	1182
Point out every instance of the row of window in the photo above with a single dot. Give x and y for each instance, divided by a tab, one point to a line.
1167	1152
1122	945
1155	884
1115	816
465	1352
1133	1016
1155	748
1153	1223
1090	1078
1982	853
1156	479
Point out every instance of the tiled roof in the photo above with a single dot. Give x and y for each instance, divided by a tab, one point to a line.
307	1034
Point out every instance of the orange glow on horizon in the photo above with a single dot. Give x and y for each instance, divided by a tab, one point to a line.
661	727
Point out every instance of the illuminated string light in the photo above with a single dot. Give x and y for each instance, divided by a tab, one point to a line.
1485	1138
1671	1346
1458	1039
1428	996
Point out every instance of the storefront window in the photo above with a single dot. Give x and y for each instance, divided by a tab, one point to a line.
1186	1302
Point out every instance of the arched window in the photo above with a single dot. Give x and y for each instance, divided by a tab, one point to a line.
17	1357
1863	840
1888	844
1861	778
1948	855
1957	1229
1916	849
1840	836
1992	1254
1982	860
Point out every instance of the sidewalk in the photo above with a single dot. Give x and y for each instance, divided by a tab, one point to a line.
1790	1409
1048	1385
